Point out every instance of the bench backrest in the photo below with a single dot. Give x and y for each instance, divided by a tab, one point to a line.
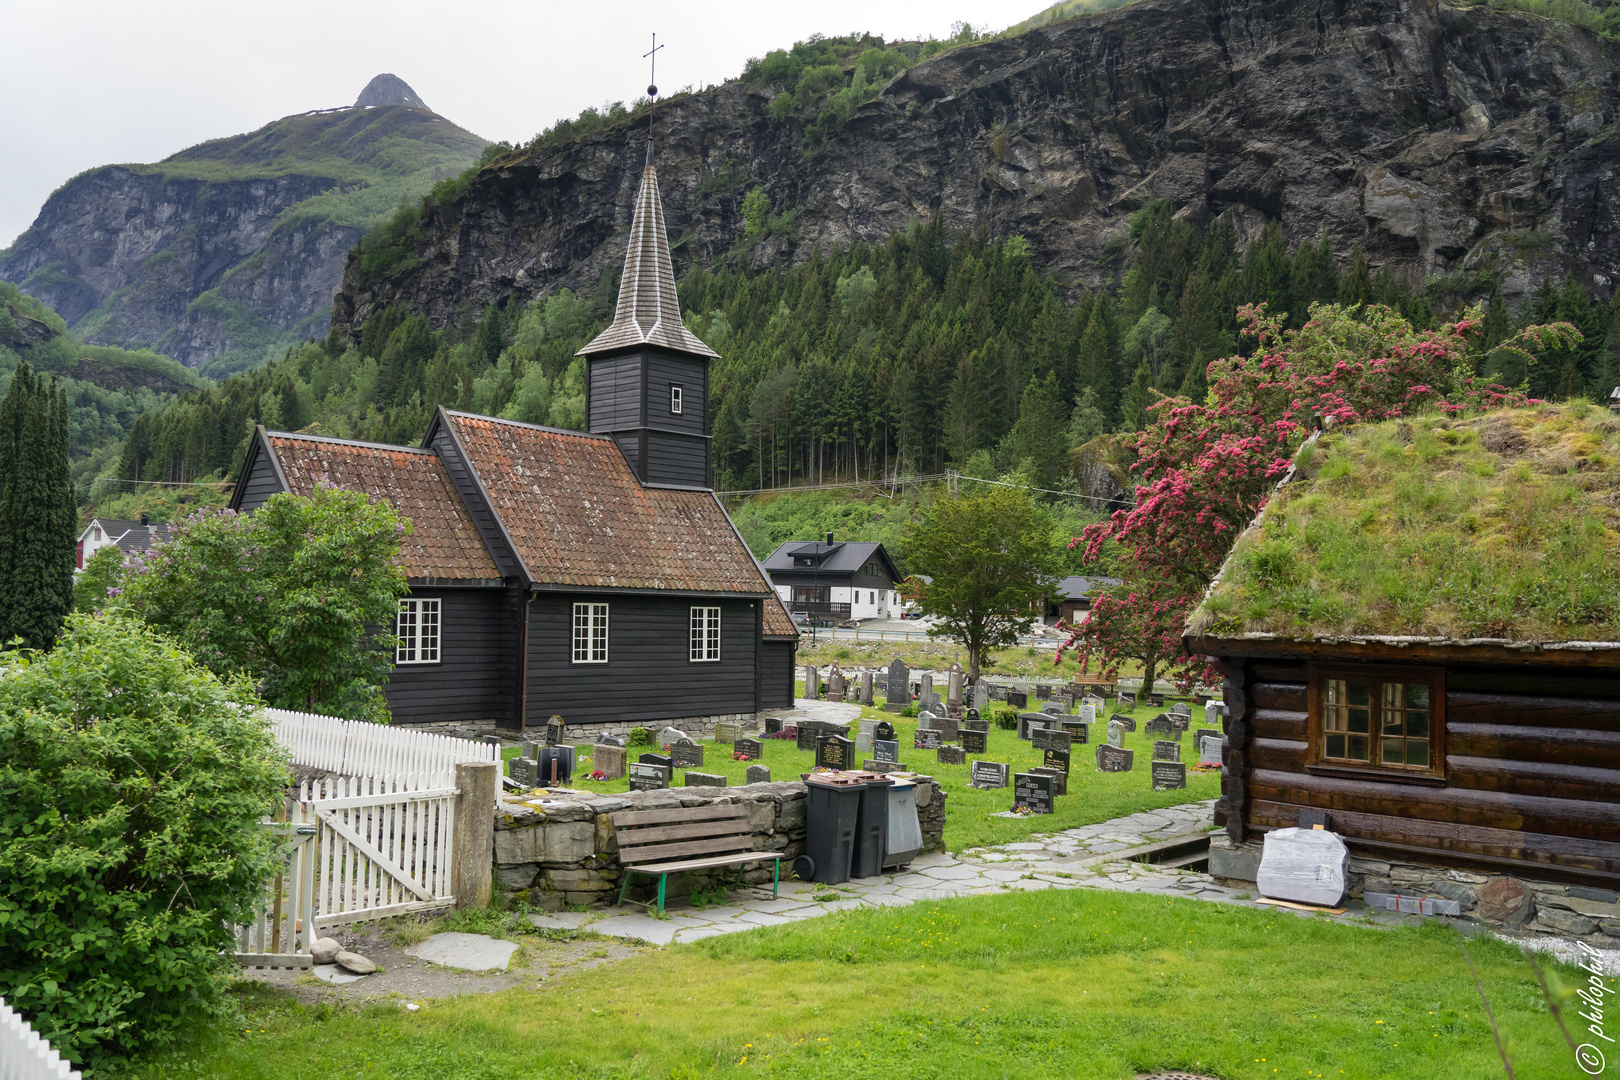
649	836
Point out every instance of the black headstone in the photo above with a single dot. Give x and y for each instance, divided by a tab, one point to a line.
1079	731
645	777
887	750
1165	750
1160	727
952	755
1155	701
773	724
1043	692
884	730
1017	699
1126	722
988	774
1048	739
663	760
1056	759
834	752
1115	758
686	754
522	770
746	749
926	739
1168	775
1060	778
554	765
974	742
1033	792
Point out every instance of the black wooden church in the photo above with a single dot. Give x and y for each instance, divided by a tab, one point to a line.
592	575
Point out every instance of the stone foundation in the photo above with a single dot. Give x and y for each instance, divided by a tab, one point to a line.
585	733
1499	901
565	852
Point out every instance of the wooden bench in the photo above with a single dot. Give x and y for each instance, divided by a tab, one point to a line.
657	843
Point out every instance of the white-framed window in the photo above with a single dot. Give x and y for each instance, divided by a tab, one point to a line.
590	633
873	599
417	628
674	399
705	634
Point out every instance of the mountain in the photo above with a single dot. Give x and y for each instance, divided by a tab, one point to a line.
1444	140
228	251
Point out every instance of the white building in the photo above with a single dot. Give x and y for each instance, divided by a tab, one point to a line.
835	581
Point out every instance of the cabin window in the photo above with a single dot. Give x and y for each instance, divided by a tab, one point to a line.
705	642
675	399
1386	720
95	532
590	633
417	630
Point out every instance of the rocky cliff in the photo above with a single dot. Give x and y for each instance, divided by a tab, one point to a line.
237	244
1437	137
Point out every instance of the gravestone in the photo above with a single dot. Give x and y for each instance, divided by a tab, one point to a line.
1033	792
1209	751
1125	699
1166	751
553	765
927	719
1050	739
1079	731
925	693
952	755
746	749
610	760
926	739
686	754
866	688
1181	708
1116	733
1168	775
812	681
759	774
898	694
863	743
1213	711
522	770
953	686
981	695
972	721
773	724
807	734
1055	759
884	767
835	752
604	739
554	731
726	732
974	742
657	759
1018	699
1115	758
1160	727
1179	722
884	730
1060	778
1095	701
949	728
835	684
998	692
1053	708
1155	701
1043	692
988	774
645	777
703	779
1028	722
1126	722
671	735
1201	734
1088	713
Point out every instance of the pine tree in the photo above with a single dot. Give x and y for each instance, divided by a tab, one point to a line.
1133	410
36	511
1096	364
1356	286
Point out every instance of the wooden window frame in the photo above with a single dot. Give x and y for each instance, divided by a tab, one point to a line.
584	645
1377	674
703	638
426	613
677	399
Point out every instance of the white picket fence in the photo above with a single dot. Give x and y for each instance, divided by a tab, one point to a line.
356	748
26	1056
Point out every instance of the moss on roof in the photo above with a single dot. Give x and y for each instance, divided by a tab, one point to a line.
1505	525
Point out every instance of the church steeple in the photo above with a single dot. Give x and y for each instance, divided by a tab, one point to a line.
647	381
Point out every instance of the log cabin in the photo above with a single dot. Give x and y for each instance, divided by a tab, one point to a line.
1420	641
592	575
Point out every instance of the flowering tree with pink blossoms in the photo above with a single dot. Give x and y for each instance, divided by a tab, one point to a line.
1205	468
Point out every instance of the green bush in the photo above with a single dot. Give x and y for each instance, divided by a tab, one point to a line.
1006	719
131	781
640	736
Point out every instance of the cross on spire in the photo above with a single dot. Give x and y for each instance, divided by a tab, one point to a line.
652	66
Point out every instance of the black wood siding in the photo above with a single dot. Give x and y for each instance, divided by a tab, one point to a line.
648	676
475	678
260	483
615	396
777	685
677	459
664	371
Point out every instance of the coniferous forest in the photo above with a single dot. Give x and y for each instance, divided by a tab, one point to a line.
930	351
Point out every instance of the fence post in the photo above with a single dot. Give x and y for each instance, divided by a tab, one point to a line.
473	856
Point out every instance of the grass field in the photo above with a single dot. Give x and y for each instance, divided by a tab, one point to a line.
1051	984
1093	796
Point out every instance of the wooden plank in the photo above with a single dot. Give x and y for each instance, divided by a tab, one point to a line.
681	815
1533	710
659	833
654	852
1499	681
1285	755
1451	835
363	846
1282	671
1287	697
1409	652
1276	724
1555	781
1458	806
703	864
1561	746
1300	907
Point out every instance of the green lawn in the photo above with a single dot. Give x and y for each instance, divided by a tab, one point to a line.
1050	984
1093	796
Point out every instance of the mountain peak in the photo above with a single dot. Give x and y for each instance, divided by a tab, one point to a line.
389	90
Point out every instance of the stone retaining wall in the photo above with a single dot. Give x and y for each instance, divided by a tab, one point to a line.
584	733
564	851
1498	900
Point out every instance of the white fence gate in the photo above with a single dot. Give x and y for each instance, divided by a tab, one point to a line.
373	842
26	1056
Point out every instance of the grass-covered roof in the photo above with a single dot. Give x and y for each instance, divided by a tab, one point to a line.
1502	526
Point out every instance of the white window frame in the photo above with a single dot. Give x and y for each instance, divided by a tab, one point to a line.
704	635
418	627
675	396
590	633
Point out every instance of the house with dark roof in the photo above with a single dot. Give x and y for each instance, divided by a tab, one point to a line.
127	536
836	581
1071	599
591	575
1420	640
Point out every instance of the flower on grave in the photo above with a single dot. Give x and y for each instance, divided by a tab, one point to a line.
597	774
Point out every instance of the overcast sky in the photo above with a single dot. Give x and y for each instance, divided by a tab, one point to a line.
96	82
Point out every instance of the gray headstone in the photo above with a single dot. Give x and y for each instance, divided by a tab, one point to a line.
1115	758
1060	778
953	686
1125	699
1053	707
610	761
522	770
949	727
703	779
898	694
1168	775
863	743
812	682
1181	708
1050	739
1116	733
670	736
884	766
981	695
1160	727
1094	701
1209	751
686	754
726	732
952	755
866	688
927	692
988	774
926	739
835	685
1166	751
759	774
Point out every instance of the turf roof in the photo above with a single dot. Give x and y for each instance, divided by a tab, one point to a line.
1503	526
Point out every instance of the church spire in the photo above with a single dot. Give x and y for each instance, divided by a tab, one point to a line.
649	312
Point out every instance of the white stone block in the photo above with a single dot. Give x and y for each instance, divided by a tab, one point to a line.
1306	866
